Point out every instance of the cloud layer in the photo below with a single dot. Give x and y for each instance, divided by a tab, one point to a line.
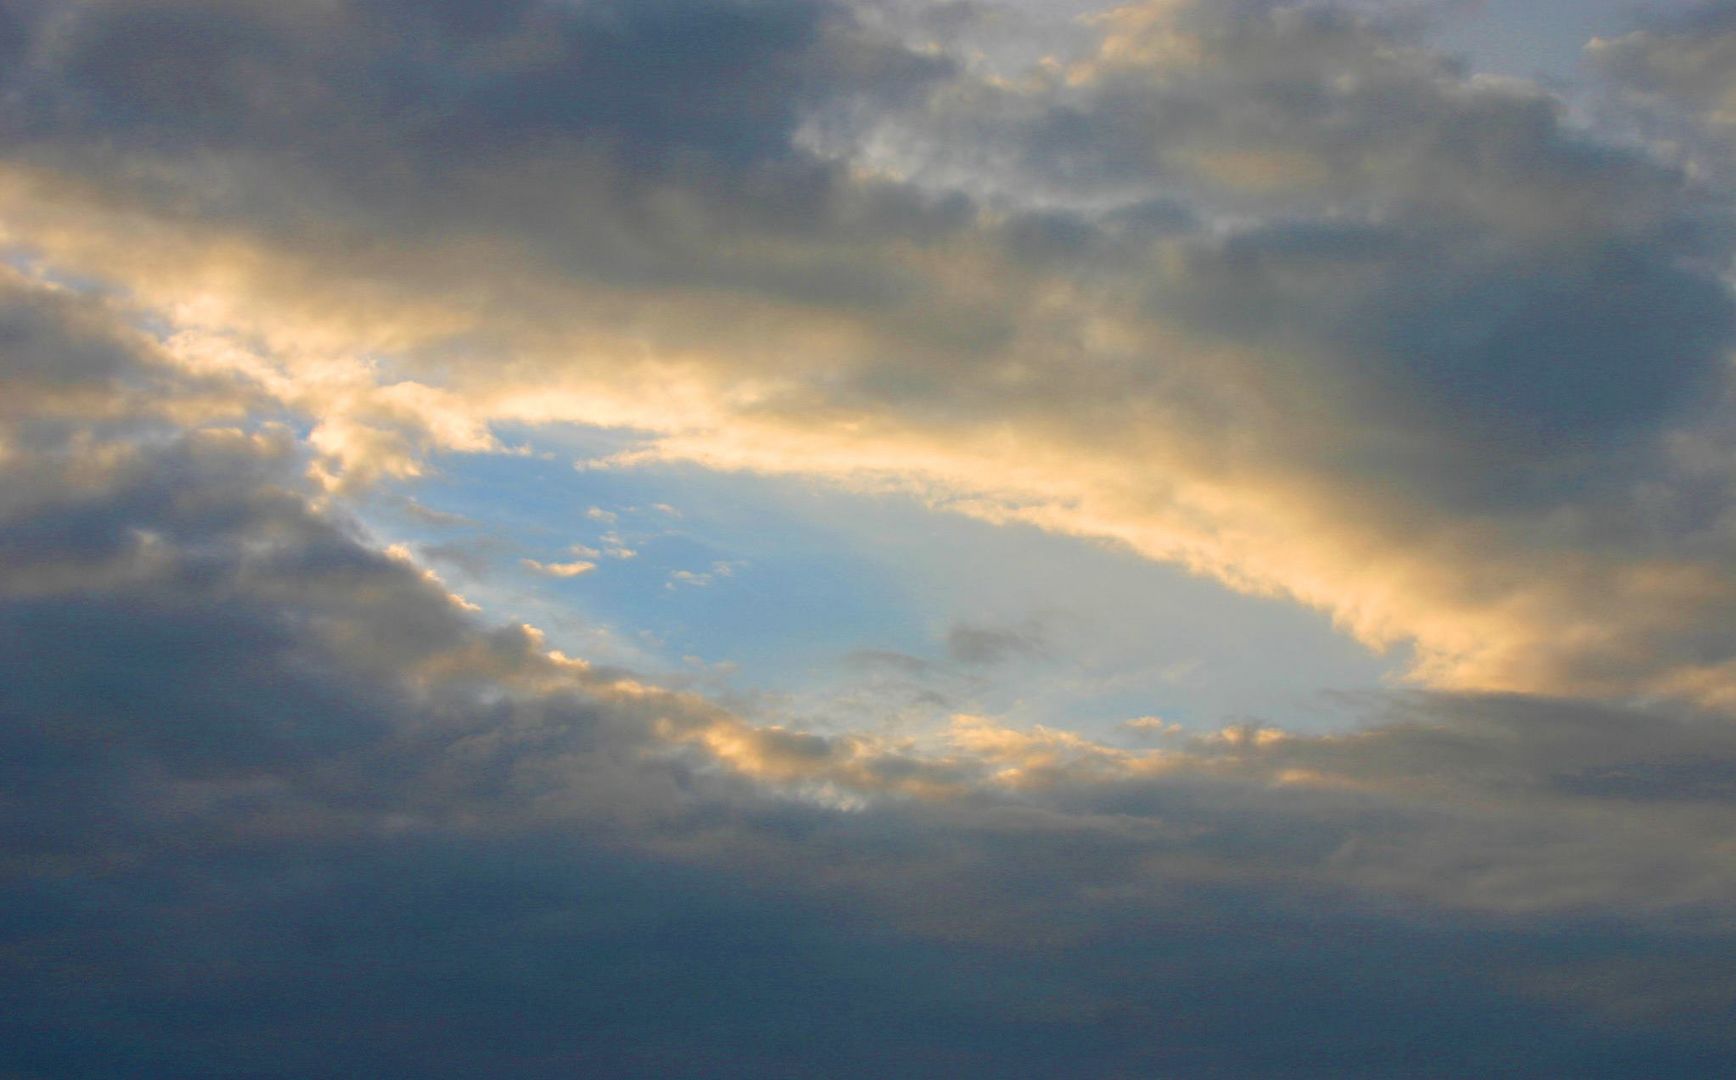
1238	275
1261	288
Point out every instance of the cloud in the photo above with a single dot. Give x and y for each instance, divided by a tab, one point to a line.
1233	276
563	570
1685	58
700	579
428	515
348	778
970	644
1152	725
613	547
1672	81
1259	288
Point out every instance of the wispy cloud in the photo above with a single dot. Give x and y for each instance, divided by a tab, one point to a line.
560	569
700	579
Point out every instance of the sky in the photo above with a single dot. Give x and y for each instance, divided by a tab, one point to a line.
864	538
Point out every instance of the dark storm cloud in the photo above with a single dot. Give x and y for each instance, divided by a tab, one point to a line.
447	77
1479	362
181	625
554	126
529	959
1451	270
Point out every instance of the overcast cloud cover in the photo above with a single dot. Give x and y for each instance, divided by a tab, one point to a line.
1268	290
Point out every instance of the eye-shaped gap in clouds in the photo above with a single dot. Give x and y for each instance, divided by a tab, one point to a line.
254	767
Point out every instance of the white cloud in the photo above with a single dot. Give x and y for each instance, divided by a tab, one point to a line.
564	570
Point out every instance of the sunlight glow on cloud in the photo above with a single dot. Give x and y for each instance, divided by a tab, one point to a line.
1318	440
